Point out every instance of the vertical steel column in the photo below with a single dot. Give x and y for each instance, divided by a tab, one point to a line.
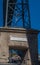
6	14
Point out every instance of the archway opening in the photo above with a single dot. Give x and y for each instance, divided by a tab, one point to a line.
16	55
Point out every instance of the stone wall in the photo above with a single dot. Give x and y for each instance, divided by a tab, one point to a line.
5	43
30	45
33	46
4	52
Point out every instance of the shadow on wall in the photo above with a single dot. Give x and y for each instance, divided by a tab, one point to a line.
33	45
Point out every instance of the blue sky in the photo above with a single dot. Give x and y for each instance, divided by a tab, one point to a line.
34	16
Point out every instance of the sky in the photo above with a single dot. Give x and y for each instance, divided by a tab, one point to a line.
34	6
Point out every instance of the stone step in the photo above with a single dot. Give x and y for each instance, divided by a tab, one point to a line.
8	64
12	64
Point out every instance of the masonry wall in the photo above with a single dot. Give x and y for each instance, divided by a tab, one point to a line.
4	52
33	46
6	42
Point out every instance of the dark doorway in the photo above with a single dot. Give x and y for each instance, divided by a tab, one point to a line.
16	55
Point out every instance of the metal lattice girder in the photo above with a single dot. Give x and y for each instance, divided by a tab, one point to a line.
17	12
8	11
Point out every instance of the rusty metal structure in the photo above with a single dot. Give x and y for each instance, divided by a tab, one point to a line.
16	34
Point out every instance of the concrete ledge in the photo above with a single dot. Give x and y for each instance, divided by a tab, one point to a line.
18	30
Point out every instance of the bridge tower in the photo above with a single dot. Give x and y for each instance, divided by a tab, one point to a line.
16	33
16	12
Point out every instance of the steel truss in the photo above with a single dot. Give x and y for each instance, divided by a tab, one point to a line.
17	14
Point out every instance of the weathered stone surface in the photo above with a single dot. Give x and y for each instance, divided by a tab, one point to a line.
30	45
